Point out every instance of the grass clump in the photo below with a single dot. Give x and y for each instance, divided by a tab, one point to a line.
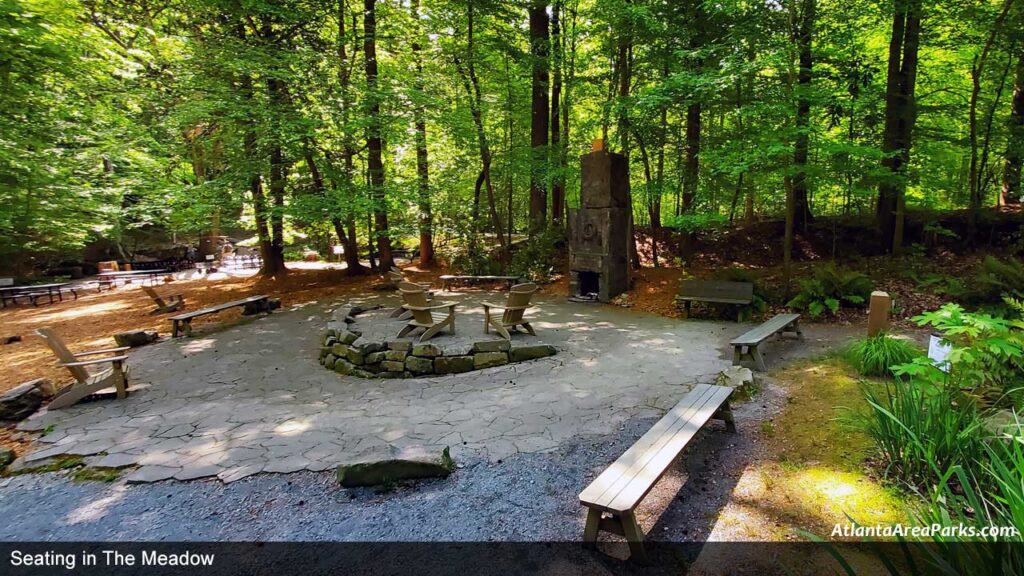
876	356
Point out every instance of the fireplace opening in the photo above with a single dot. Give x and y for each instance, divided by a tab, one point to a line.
589	283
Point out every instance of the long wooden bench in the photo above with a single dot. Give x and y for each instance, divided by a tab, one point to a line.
715	291
623	485
183	322
447	280
746	346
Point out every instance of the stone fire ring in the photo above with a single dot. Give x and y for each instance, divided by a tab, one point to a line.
362	342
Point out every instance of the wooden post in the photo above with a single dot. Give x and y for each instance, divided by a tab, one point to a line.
878	313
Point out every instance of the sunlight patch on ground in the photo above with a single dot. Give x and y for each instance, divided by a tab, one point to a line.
96	509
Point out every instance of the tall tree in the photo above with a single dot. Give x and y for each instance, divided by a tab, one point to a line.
1011	190
694	108
345	226
804	35
425	219
374	142
900	117
557	157
539	112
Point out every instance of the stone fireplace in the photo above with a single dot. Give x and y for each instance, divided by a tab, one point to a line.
599	229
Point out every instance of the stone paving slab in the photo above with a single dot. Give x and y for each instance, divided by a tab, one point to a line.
253	398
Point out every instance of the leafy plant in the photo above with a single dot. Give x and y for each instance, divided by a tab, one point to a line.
830	289
696	222
759	301
535	258
877	356
920	430
999	279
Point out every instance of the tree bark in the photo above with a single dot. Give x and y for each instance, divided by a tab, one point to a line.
539	113
558	58
422	164
691	175
374	142
900	117
804	37
347	234
1011	190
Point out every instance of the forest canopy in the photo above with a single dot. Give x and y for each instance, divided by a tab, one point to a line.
428	125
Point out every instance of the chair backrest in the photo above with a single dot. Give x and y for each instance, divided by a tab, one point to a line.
415	295
156	297
519	296
395	275
62	353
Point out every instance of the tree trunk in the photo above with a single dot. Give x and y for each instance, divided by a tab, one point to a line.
539	113
1011	193
422	164
348	237
374	143
900	116
804	36
558	57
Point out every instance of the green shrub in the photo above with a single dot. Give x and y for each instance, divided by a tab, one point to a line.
878	355
987	355
921	431
830	289
535	259
690	223
999	279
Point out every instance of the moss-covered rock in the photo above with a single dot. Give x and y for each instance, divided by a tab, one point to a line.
390	470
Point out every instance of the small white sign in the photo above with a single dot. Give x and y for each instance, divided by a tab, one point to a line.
338	250
938	351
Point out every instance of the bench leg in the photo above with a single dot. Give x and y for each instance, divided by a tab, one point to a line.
634	536
590	530
725	414
737	355
755	353
174	328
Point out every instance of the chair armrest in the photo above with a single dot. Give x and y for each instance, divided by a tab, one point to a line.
107	351
504	307
492	305
112	359
434	307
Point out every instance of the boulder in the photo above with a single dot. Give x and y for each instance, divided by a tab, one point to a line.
403	345
396	355
426	350
491	346
418	365
355	356
393	465
368	347
521	353
453	364
735	377
347	336
24	399
392	366
339	350
329	361
135	338
342	366
360	373
488	359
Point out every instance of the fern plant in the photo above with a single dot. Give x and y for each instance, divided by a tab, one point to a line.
830	289
1000	279
759	300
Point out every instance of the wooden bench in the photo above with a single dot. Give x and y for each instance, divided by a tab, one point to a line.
746	346
447	280
183	322
716	291
620	488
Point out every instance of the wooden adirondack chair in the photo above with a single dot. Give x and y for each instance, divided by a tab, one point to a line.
86	384
172	304
518	302
396	276
416	302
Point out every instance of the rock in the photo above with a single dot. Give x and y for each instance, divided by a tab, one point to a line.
735	377
393	375
339	350
359	372
329	339
389	468
418	365
135	338
488	359
329	361
343	314
24	399
6	457
403	345
453	364
396	355
343	366
521	353
426	350
261	306
392	366
375	357
348	337
355	356
368	347
491	346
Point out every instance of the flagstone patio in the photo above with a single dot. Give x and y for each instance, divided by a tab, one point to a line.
253	397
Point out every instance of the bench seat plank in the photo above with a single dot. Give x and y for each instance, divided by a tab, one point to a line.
761	333
217	308
623	484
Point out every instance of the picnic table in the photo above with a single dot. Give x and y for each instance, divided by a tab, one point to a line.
34	292
128	275
447	280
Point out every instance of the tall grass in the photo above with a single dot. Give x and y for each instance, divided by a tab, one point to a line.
877	355
920	431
